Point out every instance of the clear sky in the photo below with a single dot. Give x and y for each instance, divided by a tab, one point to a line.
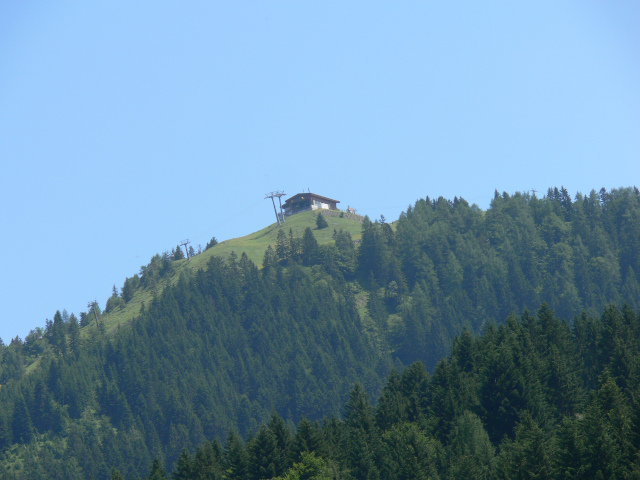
126	127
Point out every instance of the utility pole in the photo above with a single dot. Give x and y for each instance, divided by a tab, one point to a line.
92	305
184	243
271	196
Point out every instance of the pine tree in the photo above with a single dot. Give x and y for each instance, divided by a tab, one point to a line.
6	434
269	260
567	458
527	457
321	222
157	471
207	462
263	455
183	469
470	452
363	438
56	334
178	253
282	246
606	430
21	424
74	334
307	439
283	439
410	454
391	408
127	289
211	243
310	250
235	457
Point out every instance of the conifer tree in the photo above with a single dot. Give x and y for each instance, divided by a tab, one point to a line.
270	259
470	453
321	222
184	469
21	423
157	471
74	334
310	250
211	243
607	426
235	457
391	408
306	439
527	457
362	435
208	462
283	438
177	253
282	246
568	453
263	455
6	434
409	454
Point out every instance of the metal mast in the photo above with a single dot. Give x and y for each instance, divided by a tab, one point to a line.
185	243
271	196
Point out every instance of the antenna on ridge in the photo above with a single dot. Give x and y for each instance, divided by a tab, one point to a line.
271	196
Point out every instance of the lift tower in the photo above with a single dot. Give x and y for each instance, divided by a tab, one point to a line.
271	196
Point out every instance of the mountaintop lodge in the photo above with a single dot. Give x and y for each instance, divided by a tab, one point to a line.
301	202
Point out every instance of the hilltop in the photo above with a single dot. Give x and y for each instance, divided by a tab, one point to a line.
253	245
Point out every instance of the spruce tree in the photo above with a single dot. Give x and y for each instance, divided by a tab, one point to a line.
157	471
307	439
235	457
470	452
282	246
321	222
269	260
310	250
263	455
184	468
178	253
21	423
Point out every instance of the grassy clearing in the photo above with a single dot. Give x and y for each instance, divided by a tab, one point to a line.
254	245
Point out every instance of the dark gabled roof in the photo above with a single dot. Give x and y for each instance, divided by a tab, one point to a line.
300	196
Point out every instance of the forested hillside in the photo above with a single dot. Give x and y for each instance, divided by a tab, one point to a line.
532	398
451	265
222	347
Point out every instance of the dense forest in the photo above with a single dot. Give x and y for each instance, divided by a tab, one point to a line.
233	353
531	398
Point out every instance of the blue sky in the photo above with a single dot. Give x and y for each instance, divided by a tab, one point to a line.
126	127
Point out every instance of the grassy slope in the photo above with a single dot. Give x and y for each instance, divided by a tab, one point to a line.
254	245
